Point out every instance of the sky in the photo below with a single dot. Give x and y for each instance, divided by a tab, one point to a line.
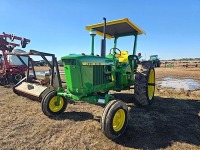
172	26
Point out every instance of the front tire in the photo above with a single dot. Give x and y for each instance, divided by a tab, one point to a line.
114	119
52	107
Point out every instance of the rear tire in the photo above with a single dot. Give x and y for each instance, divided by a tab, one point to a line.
114	119
155	64
49	106
158	64
145	84
3	81
17	77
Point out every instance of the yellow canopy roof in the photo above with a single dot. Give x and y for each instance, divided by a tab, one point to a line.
121	27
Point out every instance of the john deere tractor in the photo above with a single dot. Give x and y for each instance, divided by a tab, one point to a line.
90	78
155	60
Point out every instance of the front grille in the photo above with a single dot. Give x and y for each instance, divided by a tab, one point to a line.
98	75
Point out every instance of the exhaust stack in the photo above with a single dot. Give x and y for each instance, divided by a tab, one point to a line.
103	41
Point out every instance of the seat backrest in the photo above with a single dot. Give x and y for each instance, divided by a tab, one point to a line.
123	57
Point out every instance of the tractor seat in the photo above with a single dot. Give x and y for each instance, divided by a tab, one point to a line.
123	58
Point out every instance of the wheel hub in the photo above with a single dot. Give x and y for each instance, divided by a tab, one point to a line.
56	105
118	120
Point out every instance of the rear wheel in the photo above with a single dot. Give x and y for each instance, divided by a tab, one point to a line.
17	77
145	84
155	64
114	119
158	64
3	81
52	106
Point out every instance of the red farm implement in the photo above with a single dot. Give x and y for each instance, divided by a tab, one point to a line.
11	68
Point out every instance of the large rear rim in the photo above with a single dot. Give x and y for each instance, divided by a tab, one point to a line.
151	84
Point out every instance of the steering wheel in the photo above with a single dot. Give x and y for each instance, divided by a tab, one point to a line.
114	50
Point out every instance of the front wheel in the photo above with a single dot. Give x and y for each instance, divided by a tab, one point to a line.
52	105
114	119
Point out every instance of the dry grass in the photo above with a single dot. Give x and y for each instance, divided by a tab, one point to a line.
172	122
193	73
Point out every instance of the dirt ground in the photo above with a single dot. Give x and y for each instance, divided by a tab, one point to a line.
171	122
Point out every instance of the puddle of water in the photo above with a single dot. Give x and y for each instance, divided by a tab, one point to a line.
42	73
186	84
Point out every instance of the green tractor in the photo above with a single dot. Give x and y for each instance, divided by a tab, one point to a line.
155	60
89	78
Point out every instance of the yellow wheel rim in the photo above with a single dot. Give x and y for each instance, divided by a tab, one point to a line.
118	120
151	84
52	104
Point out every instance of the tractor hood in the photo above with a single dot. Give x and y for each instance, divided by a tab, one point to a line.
86	60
